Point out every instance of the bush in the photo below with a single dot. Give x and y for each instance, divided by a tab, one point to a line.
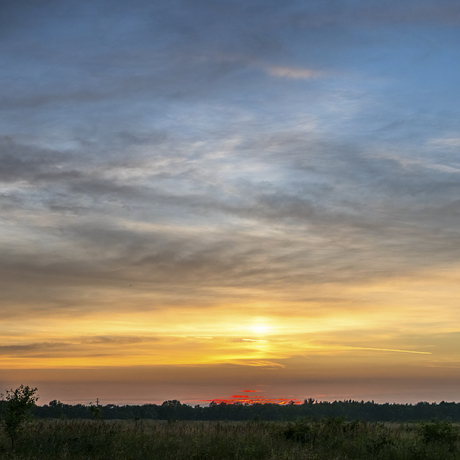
18	405
439	433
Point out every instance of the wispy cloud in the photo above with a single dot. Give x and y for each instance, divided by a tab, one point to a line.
446	142
294	73
258	363
391	350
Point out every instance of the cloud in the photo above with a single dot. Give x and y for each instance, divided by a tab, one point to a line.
360	12
32	349
148	52
294	73
26	163
452	142
116	339
258	363
298	207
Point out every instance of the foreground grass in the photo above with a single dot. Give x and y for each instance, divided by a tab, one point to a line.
331	439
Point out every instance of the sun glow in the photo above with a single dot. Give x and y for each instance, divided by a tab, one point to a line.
253	399
260	329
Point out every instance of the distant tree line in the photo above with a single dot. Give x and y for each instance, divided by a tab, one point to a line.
175	410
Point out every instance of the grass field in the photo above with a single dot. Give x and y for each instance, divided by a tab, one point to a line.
329	439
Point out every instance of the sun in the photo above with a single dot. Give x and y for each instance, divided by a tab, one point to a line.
260	328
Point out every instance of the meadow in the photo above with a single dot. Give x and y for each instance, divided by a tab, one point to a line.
304	439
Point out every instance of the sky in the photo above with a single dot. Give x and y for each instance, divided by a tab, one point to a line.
201	199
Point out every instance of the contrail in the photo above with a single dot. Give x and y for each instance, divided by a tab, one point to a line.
387	349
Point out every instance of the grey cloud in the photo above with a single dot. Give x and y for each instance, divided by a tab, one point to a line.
178	267
57	207
32	349
389	11
386	239
10	201
12	102
19	162
94	187
115	339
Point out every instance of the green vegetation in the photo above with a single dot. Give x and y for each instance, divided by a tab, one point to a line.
61	431
17	406
328	439
311	409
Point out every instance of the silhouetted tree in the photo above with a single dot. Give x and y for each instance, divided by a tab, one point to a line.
96	411
18	405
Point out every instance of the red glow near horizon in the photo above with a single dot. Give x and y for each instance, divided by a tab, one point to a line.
253	399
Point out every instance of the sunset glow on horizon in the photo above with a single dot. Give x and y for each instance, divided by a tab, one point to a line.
253	399
199	197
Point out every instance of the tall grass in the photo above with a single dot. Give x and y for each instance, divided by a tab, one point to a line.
331	439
